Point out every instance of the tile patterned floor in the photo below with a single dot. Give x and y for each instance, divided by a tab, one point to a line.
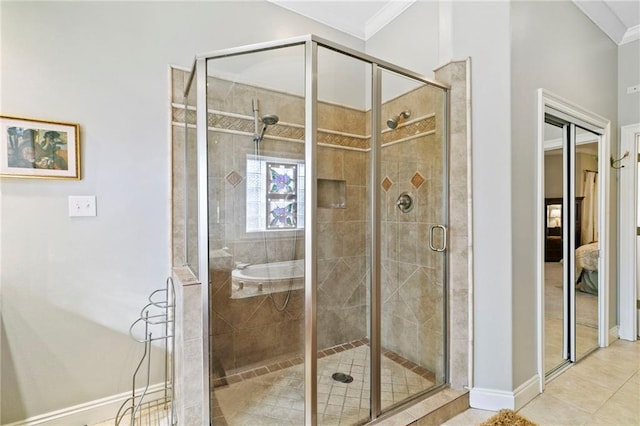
586	318
277	398
603	389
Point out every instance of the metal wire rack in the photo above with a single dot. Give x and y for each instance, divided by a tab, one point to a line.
147	405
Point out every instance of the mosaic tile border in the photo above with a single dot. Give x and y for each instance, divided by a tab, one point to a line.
410	365
216	412
246	125
412	129
419	127
262	370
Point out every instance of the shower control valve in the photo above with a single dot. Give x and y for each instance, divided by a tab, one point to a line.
405	202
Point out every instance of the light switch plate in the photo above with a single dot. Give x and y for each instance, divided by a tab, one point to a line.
82	205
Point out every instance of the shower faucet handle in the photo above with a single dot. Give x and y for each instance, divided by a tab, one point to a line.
405	202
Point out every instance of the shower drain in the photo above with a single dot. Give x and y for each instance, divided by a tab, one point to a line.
342	377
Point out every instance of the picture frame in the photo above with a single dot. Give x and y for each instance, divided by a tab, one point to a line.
34	148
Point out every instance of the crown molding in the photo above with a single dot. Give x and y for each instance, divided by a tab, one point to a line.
632	34
601	15
388	13
391	10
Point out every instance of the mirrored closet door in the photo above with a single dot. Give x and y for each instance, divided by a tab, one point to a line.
586	254
571	250
556	298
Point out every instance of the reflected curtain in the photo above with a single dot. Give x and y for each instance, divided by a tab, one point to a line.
589	228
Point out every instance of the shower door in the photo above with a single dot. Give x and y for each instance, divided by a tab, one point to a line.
327	194
343	256
256	176
381	238
413	184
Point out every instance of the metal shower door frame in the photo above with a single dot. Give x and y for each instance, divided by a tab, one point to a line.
311	44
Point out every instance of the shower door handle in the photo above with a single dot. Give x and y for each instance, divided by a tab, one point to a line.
444	238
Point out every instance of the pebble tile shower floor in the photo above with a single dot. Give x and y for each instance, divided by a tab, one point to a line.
277	398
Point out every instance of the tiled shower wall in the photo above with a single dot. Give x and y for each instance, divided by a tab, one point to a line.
412	284
251	330
460	245
247	331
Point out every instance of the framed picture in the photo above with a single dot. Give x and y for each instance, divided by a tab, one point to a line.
31	148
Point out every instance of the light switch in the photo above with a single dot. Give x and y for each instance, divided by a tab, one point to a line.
82	205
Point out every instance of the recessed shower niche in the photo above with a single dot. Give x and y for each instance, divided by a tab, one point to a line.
332	194
348	288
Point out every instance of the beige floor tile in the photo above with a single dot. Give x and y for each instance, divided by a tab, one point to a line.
583	393
549	410
603	389
605	372
628	394
621	355
617	412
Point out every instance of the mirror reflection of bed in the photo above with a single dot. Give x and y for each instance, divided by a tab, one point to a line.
586	316
571	164
585	258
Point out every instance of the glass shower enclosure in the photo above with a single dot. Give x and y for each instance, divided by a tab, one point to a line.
317	209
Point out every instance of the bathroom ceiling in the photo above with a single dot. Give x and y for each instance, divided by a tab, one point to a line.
619	19
358	18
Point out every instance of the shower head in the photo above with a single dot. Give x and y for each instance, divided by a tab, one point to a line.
392	123
270	119
267	120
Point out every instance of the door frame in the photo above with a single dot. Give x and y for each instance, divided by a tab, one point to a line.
627	214
551	100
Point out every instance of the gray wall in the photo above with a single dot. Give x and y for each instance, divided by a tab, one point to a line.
491	123
70	288
628	75
410	40
527	46
555	47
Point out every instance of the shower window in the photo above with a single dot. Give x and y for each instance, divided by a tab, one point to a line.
275	194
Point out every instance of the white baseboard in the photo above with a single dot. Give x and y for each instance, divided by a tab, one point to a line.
490	399
614	334
495	400
526	392
88	413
